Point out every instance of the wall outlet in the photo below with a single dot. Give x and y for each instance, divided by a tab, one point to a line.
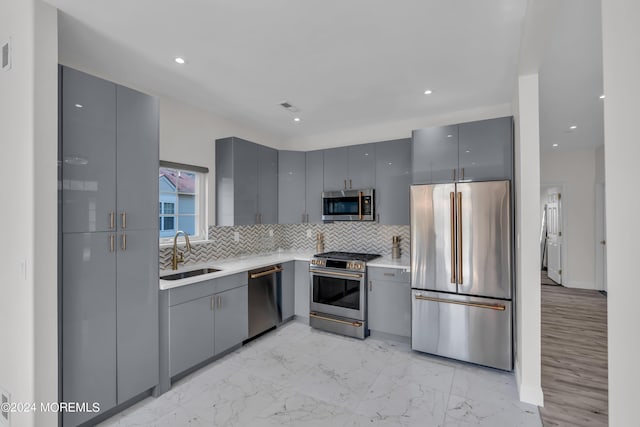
308	233
270	232
5	401
236	236
5	55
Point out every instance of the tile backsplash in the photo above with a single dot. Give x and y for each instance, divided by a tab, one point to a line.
255	239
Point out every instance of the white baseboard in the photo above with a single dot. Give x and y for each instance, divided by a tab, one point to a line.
527	393
579	284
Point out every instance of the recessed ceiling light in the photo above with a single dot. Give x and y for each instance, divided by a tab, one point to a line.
179	60
366	154
602	96
297	119
467	151
555	145
573	127
449	136
428	92
390	163
79	105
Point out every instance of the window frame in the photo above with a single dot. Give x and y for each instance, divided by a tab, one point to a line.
201	202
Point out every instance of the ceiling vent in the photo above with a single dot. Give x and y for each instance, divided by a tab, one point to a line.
289	107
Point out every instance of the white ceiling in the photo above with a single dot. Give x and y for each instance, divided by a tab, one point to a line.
343	63
571	79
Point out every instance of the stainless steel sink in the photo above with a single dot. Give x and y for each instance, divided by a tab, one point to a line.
190	273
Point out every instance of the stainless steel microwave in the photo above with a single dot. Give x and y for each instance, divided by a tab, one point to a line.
348	205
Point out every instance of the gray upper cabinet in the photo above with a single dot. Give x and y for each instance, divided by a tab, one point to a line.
267	185
291	187
287	290
335	169
314	185
361	166
349	168
486	149
246	183
88	126
435	155
474	151
393	178
137	155
231	313
109	196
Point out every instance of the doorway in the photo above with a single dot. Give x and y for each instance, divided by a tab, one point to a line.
551	240
601	238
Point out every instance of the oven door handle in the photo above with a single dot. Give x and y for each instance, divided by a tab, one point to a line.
335	273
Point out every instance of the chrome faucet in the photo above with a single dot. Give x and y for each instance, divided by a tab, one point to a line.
175	259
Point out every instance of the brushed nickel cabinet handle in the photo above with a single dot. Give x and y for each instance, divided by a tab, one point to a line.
213	304
370	286
350	186
460	270
266	273
124	242
112	220
497	307
219	301
452	209
462	173
112	244
123	220
345	184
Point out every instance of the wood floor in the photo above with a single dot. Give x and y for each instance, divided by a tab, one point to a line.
574	357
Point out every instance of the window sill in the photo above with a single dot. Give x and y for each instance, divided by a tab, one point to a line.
182	243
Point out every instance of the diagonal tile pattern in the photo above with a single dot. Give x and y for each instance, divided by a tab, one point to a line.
298	376
255	239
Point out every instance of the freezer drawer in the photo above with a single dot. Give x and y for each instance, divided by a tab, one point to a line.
471	329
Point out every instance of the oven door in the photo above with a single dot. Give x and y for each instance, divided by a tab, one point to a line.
338	293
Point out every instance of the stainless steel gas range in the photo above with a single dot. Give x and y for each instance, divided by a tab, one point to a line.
338	293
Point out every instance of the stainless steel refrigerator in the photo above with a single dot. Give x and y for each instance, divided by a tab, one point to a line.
461	273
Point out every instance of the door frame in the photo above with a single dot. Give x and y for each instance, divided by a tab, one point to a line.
601	234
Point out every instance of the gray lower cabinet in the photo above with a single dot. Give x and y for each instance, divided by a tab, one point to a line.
89	333
291	187
393	178
109	256
191	333
389	301
231	318
314	186
287	290
302	286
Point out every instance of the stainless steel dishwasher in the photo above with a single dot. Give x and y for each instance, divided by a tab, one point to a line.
264	307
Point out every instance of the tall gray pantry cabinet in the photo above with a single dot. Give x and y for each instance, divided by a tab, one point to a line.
109	233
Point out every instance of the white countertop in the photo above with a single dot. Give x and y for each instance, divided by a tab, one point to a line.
229	266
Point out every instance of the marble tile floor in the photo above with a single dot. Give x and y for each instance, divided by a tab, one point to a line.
298	376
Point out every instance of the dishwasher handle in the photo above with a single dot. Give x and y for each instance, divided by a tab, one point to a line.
265	273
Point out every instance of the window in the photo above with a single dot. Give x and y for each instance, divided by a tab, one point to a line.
182	204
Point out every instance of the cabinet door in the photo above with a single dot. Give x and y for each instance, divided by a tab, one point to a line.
335	169
314	185
486	150
191	332
137	155
361	169
435	155
302	285
231	318
287	295
137	309
389	306
245	177
88	322
88	120
393	178
291	187
267	184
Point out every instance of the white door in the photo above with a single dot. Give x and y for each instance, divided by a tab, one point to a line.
601	236
554	237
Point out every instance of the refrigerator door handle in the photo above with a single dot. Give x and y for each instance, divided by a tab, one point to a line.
459	213
498	307
452	199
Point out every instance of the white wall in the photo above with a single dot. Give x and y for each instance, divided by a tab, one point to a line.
527	206
575	170
28	110
621	65
599	167
188	134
